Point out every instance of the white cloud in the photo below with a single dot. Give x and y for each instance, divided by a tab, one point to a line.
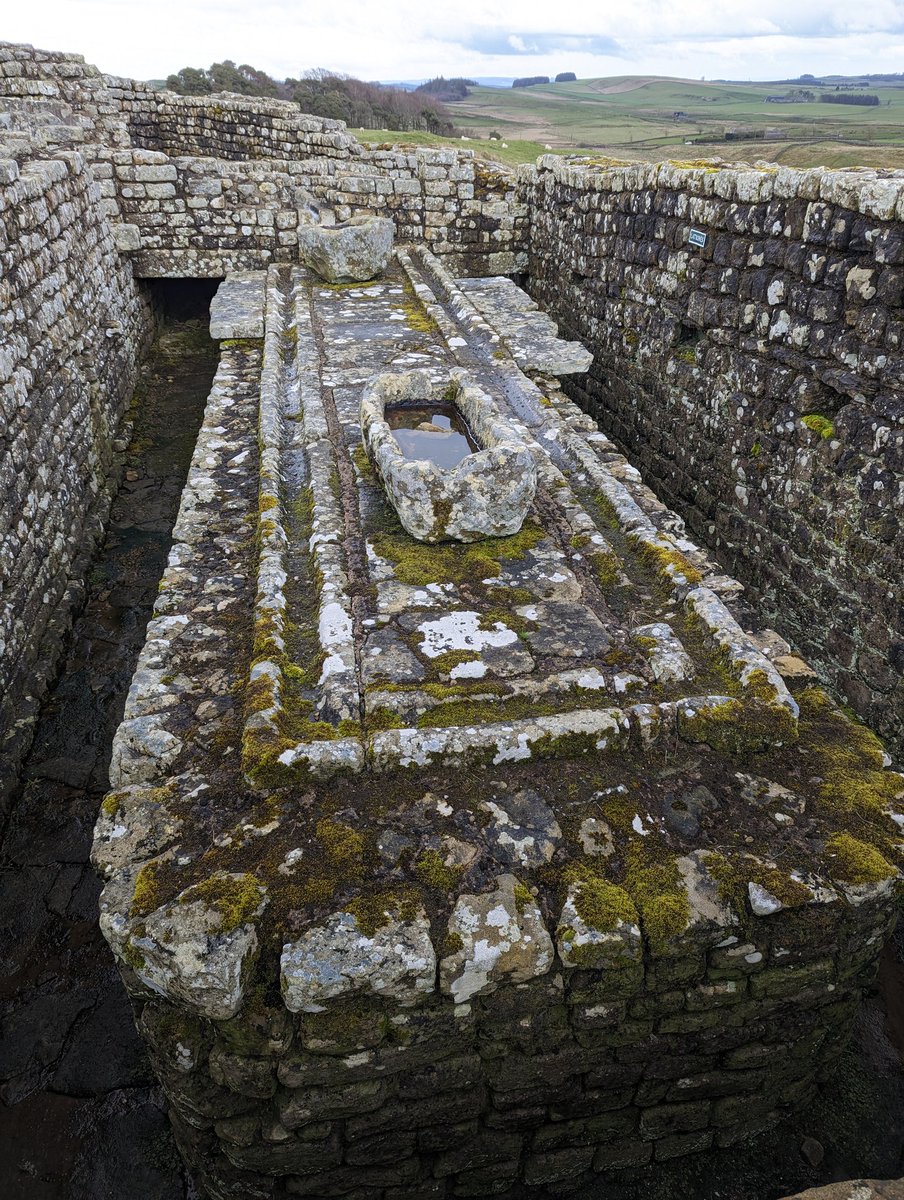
399	39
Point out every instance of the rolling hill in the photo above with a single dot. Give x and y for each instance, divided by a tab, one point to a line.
647	117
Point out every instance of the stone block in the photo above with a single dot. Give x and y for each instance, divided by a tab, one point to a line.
237	310
667	1119
354	250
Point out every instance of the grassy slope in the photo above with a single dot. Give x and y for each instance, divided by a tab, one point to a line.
514	152
631	117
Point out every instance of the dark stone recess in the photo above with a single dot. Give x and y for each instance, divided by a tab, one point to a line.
80	1115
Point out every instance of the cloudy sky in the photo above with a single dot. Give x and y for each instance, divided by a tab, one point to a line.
414	39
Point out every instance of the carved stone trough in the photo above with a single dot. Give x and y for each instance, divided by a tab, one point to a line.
352	251
486	494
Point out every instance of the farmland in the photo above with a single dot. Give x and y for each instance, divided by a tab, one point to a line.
634	117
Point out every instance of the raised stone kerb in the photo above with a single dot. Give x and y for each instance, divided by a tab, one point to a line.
487	494
237	309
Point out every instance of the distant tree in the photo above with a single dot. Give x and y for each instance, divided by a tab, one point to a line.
259	83
530	81
447	90
223	77
190	81
367	105
566	77
849	98
324	94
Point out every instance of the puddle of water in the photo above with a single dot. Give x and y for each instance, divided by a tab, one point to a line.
435	432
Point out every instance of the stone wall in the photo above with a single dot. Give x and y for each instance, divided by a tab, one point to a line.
757	382
208	184
225	126
496	920
192	216
528	1091
74	323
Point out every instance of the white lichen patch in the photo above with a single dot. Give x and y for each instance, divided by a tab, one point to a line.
503	939
396	961
462	631
473	669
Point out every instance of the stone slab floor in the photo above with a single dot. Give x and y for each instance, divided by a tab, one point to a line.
80	1118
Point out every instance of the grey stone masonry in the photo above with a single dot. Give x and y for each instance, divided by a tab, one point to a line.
211	184
530	334
758	381
491	867
526	864
237	309
74	323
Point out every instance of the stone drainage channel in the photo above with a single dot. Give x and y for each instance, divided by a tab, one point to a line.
80	1118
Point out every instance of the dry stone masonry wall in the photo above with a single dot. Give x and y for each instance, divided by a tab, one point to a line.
471	868
756	381
209	184
525	865
73	327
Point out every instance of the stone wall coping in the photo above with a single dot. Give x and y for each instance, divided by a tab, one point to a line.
876	192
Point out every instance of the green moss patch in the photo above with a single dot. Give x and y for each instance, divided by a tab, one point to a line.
416	315
739	727
816	423
235	898
148	893
376	911
432	871
853	792
853	861
667	562
733	872
601	905
418	563
343	846
383	718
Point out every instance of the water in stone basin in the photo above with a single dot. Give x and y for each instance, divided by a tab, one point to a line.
436	432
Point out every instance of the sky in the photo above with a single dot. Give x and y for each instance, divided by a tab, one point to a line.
416	39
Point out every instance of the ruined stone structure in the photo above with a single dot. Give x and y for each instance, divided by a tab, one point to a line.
484	867
757	381
74	326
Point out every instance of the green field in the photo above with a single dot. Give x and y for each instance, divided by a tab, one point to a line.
632	117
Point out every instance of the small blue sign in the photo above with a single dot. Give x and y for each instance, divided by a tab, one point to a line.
697	237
